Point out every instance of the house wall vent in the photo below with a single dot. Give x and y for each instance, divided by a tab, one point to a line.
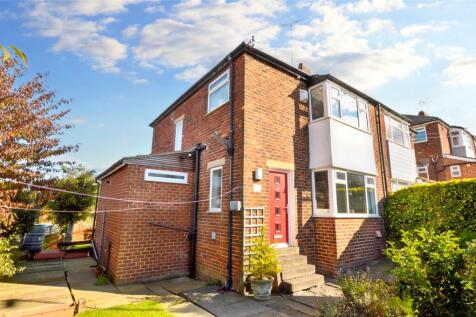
161	176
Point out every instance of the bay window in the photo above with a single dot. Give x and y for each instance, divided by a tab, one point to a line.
398	184
397	131
321	190
317	103
355	193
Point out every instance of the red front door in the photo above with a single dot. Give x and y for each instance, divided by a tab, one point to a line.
278	207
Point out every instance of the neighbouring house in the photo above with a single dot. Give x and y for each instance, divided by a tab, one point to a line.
443	152
256	142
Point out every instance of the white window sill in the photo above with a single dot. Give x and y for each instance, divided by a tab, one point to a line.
213	211
344	216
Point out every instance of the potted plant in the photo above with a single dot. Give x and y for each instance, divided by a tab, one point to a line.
263	267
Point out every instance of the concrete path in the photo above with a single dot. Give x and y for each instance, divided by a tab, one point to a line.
90	296
224	304
41	289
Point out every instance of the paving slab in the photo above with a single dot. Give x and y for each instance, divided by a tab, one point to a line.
180	284
226	304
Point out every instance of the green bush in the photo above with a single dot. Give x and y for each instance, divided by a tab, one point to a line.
368	298
440	206
264	259
9	257
469	275
430	269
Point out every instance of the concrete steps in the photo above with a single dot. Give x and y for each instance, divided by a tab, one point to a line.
296	274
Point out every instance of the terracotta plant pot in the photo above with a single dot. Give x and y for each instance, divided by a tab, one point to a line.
262	288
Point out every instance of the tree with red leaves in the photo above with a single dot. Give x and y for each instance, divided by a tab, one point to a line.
30	127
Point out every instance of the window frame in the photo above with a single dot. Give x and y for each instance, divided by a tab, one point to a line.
402	126
453	175
158	179
425	170
210	208
314	197
398	182
178	122
214	89
426	135
367	185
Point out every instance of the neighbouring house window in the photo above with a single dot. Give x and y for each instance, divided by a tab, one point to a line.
349	109
317	103
397	131
455	139
423	171
178	135
321	190
355	193
216	178
420	135
219	91
397	185
455	171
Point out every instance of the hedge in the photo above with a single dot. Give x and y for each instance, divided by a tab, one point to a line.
440	206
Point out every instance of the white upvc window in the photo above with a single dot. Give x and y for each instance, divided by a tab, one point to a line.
219	91
355	193
398	184
320	188
397	131
423	171
455	171
455	138
349	108
161	176
178	135
215	195
420	135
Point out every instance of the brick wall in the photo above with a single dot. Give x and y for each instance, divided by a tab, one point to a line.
140	251
198	128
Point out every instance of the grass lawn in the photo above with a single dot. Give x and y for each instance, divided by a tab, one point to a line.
146	308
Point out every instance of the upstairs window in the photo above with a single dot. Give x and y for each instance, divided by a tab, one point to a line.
420	135
317	103
178	135
397	131
455	138
219	91
349	109
455	171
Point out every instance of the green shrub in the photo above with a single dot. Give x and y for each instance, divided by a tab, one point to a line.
102	280
368	298
264	259
428	268
469	275
9	258
440	206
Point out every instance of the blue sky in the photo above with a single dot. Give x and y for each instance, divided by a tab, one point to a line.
124	61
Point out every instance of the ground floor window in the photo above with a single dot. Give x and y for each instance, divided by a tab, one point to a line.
455	171
423	171
344	192
355	193
397	185
216	178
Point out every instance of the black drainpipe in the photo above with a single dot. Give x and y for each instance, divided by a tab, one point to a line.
382	158
230	150
193	234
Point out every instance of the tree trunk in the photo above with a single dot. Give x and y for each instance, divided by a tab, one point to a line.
68	237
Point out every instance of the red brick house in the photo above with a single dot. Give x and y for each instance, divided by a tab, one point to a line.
443	152
256	142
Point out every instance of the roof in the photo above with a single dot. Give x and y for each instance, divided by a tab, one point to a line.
260	55
176	160
315	79
240	49
417	120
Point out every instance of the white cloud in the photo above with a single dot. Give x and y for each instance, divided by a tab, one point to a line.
450	53
372	6
429	4
154	9
200	34
192	73
461	72
417	29
130	31
69	23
